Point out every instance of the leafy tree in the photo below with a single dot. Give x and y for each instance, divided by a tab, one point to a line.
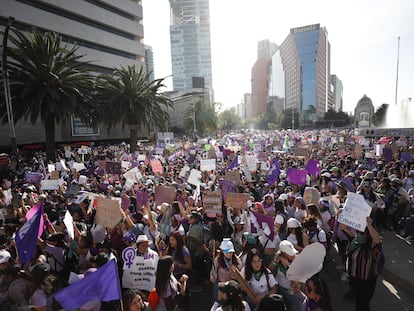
228	120
127	97
48	81
380	114
205	117
336	119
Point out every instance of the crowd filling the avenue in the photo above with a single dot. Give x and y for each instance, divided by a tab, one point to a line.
252	216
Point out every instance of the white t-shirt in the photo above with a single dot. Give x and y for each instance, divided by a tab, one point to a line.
300	214
261	287
319	236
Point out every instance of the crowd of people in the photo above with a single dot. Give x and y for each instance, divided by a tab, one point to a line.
167	245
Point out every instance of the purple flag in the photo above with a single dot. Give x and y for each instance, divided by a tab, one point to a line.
226	187
26	237
102	285
274	172
296	176
257	221
233	163
313	167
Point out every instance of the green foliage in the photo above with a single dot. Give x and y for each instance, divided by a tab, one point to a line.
205	117
335	119
48	81
127	97
380	114
229	120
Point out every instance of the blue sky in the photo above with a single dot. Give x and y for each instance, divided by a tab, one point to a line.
362	33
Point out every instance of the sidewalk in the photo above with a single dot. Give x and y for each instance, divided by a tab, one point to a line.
399	261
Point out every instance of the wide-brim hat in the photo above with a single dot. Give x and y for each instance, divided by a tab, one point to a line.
143	239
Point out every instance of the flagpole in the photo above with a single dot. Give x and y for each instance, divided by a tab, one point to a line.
396	80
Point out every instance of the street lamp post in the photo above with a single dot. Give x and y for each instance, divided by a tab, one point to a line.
194	118
6	85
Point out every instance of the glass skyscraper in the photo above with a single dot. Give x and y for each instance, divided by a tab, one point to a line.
306	60
190	43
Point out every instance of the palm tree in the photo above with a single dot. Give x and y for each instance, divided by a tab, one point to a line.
47	81
127	97
205	117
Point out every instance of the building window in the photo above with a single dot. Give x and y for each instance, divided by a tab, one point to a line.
364	116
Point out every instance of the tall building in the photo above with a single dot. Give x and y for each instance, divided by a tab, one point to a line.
190	43
109	34
261	77
149	62
338	90
277	84
306	60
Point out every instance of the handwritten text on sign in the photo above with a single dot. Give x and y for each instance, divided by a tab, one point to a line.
212	201
355	212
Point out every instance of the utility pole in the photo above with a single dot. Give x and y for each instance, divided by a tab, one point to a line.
6	85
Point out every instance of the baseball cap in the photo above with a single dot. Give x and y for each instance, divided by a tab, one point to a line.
287	248
283	196
4	256
231	288
227	246
293	223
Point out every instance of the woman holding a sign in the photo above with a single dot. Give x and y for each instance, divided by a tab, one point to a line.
364	264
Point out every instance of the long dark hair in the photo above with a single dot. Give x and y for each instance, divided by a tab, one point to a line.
163	273
234	260
248	270
179	248
321	289
129	296
299	236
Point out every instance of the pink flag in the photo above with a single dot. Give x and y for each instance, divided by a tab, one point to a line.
31	212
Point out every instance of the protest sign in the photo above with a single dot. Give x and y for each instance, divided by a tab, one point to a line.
49	184
142	198
355	212
387	154
313	167
296	176
68	221
308	263
234	177
139	271
33	177
73	189
237	200
184	171
358	151
251	162
212	153
212	202
300	151
369	155
156	166
108	212
208	165
311	195
113	168
406	157
194	178
125	164
51	168
54	175
133	174
78	166
164	194
378	150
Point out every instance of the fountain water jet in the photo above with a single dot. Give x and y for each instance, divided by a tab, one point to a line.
400	115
